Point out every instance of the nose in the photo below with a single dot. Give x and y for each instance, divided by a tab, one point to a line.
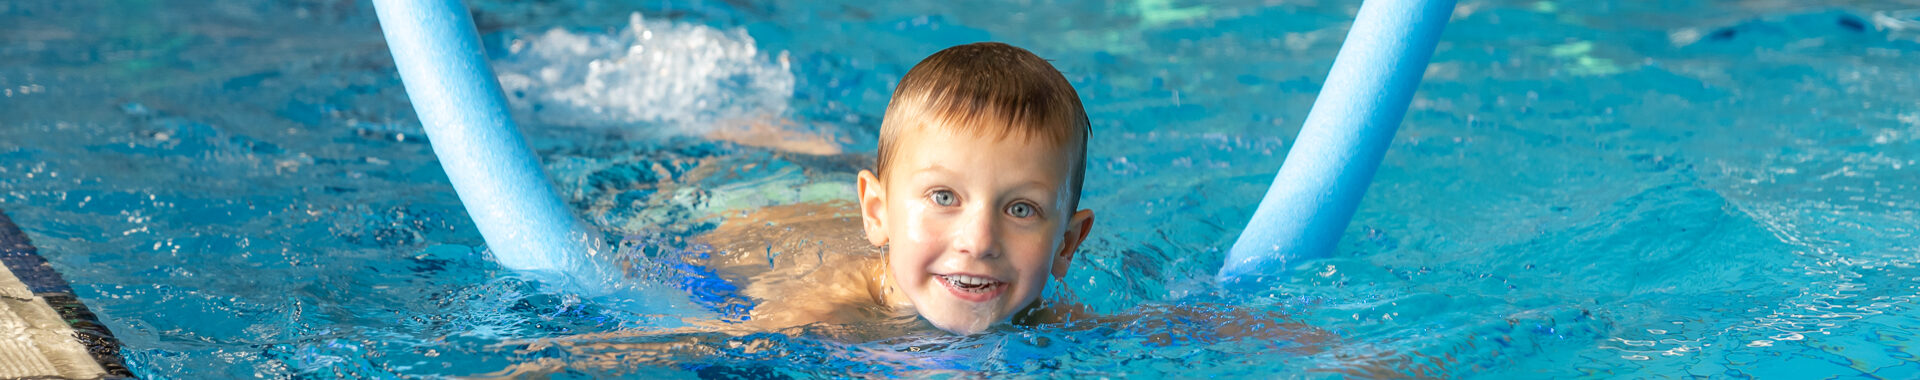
974	234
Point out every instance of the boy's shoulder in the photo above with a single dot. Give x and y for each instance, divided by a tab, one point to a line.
800	264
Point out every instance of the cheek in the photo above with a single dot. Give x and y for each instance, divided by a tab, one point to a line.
915	225
919	231
1036	255
916	245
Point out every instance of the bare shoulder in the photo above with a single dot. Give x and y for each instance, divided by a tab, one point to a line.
801	264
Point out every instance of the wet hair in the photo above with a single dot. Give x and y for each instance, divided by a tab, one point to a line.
989	89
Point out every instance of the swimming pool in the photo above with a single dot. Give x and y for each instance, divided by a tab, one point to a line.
1707	188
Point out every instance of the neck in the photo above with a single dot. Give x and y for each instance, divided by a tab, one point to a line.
886	293
1035	313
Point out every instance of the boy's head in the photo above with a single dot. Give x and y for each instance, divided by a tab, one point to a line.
981	157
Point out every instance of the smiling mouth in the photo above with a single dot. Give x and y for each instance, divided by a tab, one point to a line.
972	287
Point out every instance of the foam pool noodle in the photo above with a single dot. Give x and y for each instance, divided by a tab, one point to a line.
1346	134
496	174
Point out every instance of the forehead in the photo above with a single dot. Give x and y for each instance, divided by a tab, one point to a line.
1054	136
928	145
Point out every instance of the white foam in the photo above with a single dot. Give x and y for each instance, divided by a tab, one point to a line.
659	74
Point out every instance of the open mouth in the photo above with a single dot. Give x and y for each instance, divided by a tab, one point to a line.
972	288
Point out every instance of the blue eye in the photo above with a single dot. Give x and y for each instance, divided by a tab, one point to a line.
942	197
1021	210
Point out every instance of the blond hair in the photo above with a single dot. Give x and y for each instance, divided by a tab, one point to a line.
989	89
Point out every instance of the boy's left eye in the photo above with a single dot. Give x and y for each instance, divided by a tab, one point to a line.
1021	210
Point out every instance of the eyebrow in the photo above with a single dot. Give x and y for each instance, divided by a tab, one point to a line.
1041	185
932	168
936	169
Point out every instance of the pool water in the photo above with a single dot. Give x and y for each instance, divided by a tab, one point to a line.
1712	188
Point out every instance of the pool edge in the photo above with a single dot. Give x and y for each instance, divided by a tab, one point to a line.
49	292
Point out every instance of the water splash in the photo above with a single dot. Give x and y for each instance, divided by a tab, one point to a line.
678	77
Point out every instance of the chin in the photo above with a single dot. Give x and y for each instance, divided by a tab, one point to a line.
966	326
962	321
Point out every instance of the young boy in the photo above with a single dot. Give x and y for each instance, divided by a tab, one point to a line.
975	189
973	201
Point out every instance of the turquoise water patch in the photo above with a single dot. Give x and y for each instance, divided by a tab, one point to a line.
1580	188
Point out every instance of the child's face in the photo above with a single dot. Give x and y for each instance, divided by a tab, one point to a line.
973	225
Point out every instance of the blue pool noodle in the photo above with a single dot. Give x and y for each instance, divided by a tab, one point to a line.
499	179
465	115
1345	135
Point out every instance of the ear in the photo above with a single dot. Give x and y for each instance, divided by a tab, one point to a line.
873	208
1077	229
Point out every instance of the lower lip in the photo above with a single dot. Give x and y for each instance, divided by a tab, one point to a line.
973	296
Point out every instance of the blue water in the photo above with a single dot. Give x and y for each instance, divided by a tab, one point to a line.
1711	188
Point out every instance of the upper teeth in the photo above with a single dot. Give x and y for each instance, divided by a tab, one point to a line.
968	280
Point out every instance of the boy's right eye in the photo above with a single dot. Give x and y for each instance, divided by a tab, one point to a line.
943	197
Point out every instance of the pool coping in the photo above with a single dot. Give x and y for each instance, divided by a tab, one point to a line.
52	333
